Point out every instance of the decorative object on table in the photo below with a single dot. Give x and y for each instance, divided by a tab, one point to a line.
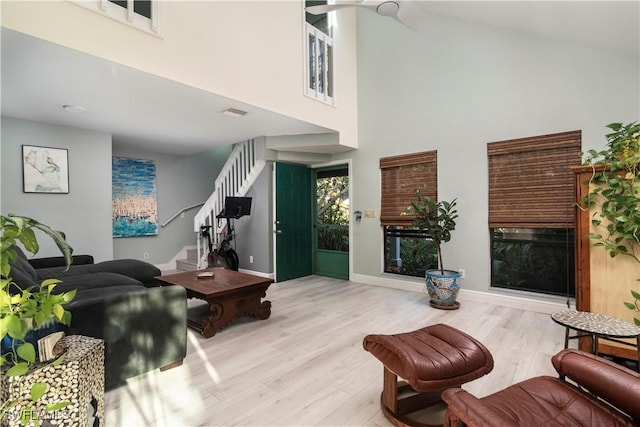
437	220
24	310
613	199
135	211
45	169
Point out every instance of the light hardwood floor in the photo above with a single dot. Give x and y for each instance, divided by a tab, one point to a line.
305	365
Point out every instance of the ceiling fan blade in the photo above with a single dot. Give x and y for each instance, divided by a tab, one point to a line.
413	16
326	8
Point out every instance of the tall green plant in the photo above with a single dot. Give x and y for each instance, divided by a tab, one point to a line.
616	194
437	219
24	309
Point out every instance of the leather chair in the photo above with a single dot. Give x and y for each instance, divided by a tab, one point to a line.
604	394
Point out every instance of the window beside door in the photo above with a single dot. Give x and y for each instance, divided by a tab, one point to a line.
332	189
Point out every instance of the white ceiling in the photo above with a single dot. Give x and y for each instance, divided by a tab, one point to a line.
153	113
607	25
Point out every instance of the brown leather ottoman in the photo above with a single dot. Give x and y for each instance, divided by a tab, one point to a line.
430	360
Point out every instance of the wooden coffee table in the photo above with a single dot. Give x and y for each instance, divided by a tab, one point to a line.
229	295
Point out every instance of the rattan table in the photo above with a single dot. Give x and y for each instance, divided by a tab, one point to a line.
595	326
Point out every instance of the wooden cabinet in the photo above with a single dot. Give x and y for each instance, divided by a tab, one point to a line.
602	283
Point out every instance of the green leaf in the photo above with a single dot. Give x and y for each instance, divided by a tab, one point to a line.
18	369
58	311
27	352
635	294
630	306
37	390
57	406
59	360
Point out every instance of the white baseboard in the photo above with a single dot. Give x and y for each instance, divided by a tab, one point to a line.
541	304
257	273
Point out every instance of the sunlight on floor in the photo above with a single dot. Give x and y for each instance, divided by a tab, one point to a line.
203	355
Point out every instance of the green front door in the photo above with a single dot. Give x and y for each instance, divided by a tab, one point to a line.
293	221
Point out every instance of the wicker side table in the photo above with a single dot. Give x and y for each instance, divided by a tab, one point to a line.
79	380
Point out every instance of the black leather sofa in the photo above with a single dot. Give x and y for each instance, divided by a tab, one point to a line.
144	326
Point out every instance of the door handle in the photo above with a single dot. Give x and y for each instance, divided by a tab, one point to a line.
277	231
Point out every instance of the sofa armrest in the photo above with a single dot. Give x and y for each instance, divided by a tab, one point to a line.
613	383
467	410
143	328
59	261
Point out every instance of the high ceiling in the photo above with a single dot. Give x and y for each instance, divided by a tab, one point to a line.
153	113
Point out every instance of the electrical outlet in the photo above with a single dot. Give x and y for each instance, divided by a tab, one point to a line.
461	271
146	255
250	259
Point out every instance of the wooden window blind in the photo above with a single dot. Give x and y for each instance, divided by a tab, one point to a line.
530	181
401	176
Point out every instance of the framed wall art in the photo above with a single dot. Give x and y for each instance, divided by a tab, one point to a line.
134	204
45	169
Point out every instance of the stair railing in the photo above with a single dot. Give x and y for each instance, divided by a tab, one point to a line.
236	177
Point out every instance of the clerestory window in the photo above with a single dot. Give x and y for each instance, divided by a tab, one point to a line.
141	14
319	54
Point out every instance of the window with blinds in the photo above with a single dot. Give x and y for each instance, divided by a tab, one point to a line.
401	176
407	251
531	212
530	181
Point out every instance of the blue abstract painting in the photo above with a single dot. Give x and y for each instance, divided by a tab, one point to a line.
134	204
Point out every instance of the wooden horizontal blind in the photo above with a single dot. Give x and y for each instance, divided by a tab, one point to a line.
401	176
531	182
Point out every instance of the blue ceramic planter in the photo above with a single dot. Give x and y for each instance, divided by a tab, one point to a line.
443	288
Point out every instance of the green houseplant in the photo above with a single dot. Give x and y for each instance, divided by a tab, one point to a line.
616	195
437	219
22	310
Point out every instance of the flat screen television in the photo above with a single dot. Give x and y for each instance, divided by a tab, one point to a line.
236	207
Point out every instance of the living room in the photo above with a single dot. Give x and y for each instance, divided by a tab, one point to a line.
453	89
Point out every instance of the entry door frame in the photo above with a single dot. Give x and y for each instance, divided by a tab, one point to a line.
349	164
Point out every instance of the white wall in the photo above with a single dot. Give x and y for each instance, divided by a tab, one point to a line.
456	88
251	51
85	213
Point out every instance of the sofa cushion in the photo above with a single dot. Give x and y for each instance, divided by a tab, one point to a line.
99	280
133	268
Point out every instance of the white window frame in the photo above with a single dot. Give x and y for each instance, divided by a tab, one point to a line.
328	41
127	16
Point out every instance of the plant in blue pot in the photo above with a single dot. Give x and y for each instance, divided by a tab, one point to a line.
25	315
438	220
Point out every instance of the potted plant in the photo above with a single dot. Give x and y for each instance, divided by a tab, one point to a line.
23	310
438	220
616	195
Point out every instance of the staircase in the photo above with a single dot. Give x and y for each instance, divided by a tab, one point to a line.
239	173
190	263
